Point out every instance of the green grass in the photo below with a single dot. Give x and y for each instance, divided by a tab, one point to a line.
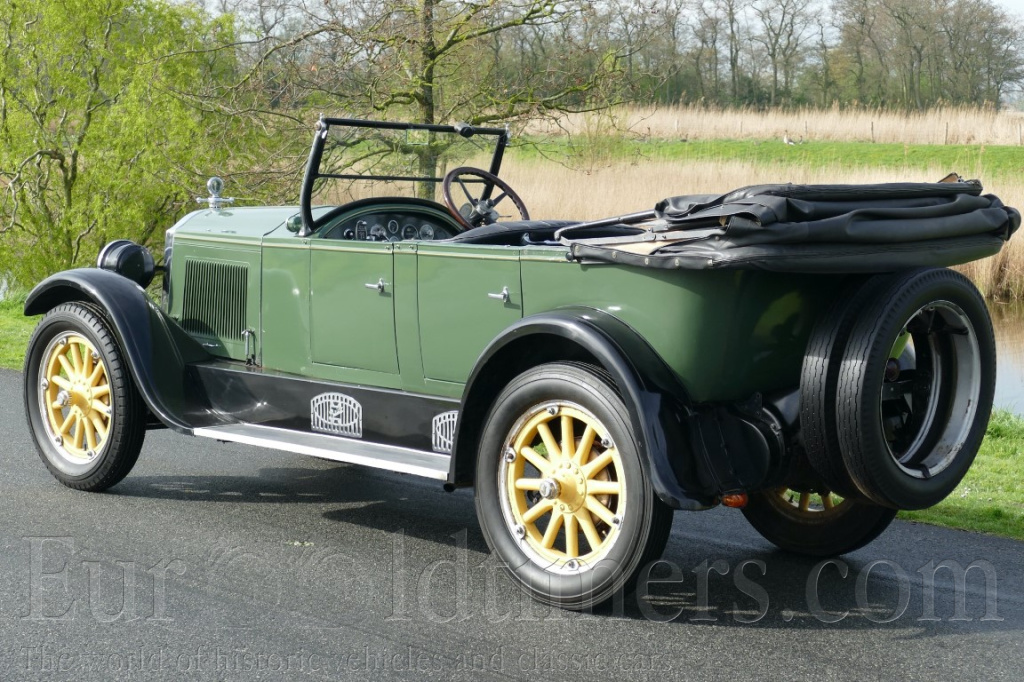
15	329
991	497
968	160
989	500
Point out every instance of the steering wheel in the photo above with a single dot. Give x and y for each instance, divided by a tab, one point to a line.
479	210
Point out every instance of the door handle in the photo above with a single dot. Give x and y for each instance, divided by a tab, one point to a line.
504	296
378	285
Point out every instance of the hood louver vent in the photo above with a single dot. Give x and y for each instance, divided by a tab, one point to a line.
214	302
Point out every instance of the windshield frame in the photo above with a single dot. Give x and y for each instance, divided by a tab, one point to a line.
322	128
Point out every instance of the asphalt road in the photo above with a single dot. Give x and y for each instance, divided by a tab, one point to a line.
224	562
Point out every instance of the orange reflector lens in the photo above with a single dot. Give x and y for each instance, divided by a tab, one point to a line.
735	500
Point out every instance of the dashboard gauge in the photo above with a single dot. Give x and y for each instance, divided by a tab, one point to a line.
378	233
393	226
426	231
409	232
361	230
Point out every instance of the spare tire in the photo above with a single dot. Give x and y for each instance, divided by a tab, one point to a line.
819	378
915	388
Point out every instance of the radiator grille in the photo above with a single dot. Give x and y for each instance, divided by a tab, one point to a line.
214	300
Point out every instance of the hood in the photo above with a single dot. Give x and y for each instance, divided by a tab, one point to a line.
242	223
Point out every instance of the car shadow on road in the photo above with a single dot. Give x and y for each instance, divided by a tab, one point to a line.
273	485
737	587
713	581
384	501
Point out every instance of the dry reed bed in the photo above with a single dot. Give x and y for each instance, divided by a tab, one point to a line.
554	191
948	125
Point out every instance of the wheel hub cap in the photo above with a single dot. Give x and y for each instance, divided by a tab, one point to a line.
549	489
74	397
563	488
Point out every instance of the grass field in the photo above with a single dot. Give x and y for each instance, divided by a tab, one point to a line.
944	125
970	161
15	329
990	499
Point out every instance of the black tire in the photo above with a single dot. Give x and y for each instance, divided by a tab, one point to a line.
103	418
635	523
807	526
819	378
910	425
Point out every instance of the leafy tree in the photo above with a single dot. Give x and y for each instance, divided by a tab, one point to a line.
93	143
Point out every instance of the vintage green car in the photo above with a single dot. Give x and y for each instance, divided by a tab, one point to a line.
796	351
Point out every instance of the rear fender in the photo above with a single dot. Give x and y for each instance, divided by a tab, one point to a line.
654	397
156	348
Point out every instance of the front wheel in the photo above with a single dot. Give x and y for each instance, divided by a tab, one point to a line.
85	414
815	523
560	492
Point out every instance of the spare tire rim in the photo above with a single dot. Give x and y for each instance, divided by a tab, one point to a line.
562	487
74	398
929	399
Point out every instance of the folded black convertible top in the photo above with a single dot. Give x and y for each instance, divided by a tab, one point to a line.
817	228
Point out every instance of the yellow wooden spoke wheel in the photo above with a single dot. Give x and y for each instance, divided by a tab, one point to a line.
75	397
561	493
806	502
87	418
815	521
563	483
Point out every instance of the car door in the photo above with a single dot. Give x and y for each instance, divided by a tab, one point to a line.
352	305
466	296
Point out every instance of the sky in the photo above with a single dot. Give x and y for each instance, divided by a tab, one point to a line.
1013	6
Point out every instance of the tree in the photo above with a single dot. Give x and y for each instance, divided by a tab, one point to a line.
429	61
784	25
92	144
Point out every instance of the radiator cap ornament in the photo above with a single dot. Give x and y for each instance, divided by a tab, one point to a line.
215	201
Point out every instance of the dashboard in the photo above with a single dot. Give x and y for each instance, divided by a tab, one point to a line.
387	226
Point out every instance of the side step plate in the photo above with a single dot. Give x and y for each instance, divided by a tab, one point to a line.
393	458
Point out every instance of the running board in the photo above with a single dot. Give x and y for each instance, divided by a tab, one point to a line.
391	457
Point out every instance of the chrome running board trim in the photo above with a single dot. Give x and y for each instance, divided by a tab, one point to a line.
339	449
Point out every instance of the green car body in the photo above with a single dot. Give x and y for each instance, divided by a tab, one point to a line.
725	335
584	398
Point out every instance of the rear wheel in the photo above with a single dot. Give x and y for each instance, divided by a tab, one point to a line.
815	523
561	494
85	415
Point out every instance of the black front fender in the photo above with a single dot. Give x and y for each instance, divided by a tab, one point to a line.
656	401
156	348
